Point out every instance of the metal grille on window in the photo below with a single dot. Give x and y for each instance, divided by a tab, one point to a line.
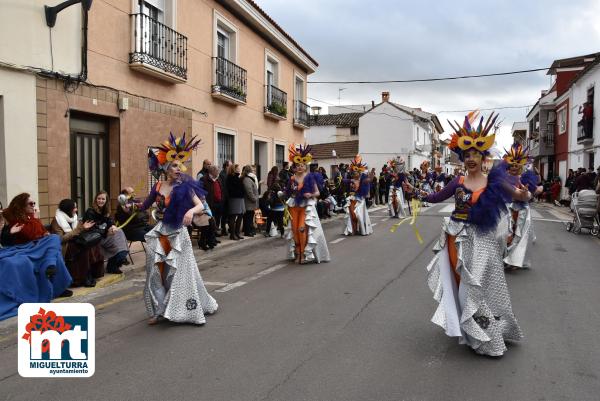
225	145
279	155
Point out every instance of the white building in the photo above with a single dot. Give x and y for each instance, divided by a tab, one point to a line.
389	130
584	145
26	48
331	128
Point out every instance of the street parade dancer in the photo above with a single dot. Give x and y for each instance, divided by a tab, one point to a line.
306	239
439	179
174	289
357	219
425	179
521	235
466	275
396	198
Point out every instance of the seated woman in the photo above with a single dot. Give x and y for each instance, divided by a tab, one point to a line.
32	266
114	243
85	264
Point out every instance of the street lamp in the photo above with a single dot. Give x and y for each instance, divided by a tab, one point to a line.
51	12
316	111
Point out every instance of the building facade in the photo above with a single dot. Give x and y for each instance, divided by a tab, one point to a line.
220	70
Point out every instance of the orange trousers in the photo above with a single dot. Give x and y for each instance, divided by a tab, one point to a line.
299	230
166	245
453	256
353	218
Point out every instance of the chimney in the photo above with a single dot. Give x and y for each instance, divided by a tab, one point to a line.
372	104
385	96
544	92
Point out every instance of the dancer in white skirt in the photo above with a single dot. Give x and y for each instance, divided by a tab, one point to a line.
174	288
466	275
396	199
357	221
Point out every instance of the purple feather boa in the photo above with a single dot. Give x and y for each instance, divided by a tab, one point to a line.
531	180
486	213
182	197
310	181
364	187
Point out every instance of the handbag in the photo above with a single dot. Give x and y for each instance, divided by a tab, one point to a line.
88	239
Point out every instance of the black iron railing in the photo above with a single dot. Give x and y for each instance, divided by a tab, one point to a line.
302	113
585	130
158	45
276	101
230	79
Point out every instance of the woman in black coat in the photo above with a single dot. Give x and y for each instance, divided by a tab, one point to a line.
235	204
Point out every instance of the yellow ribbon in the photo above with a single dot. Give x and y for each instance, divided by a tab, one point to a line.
286	216
416	208
126	221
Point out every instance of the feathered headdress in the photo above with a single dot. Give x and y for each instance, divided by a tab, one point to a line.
300	154
356	164
160	157
425	164
517	154
467	137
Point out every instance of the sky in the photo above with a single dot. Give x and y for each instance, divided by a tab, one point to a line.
356	40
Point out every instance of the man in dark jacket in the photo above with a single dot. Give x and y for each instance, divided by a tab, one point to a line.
214	196
224	194
285	174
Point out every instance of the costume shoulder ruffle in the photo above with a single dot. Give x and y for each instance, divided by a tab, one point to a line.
487	212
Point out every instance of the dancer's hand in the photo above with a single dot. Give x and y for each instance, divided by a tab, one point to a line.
16	228
187	218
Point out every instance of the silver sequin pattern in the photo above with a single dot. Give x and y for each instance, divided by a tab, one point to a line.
518	252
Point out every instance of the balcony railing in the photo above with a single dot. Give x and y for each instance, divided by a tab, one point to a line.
585	131
229	80
276	101
301	113
158	49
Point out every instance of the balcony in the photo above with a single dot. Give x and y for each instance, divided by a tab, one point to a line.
546	143
229	81
276	103
585	131
158	50
301	114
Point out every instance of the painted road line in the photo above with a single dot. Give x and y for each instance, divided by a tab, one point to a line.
447	209
536	215
553	220
256	276
215	283
335	241
386	219
119	299
558	215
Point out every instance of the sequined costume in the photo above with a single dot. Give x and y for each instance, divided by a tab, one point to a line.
466	275
357	220
396	202
521	236
304	232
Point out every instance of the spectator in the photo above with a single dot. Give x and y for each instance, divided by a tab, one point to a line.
114	243
33	270
277	208
223	180
323	173
136	221
285	173
205	165
335	174
250	183
213	204
86	264
272	176
235	208
583	181
373	191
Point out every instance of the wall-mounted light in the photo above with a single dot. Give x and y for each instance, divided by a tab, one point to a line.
316	111
52	12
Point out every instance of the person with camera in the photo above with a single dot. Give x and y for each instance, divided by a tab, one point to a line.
132	221
83	258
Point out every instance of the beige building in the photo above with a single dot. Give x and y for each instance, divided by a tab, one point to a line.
222	70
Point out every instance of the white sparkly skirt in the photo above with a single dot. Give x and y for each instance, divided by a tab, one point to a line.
518	252
316	249
183	296
396	207
363	221
478	311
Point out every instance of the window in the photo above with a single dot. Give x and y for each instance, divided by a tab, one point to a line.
279	155
562	120
225	148
353	130
299	89
225	39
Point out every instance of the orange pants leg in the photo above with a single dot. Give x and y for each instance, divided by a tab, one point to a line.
166	245
353	218
453	256
299	230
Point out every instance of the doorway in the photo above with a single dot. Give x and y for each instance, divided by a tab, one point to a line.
89	159
261	161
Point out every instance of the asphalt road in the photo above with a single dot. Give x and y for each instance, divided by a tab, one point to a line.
356	328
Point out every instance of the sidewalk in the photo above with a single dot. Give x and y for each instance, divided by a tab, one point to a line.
561	212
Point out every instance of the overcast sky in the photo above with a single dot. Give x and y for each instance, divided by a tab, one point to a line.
390	40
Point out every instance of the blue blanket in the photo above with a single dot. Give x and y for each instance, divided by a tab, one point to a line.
23	274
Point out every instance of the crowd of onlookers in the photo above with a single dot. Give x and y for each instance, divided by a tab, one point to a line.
576	181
